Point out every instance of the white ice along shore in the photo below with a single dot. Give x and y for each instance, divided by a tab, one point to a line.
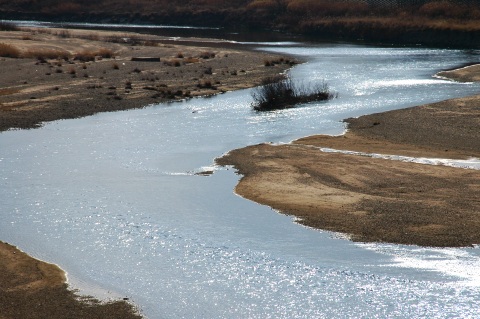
471	163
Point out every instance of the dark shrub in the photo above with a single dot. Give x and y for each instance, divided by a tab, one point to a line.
207	55
277	94
7	26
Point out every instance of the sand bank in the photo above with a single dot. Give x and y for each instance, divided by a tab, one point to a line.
373	199
30	288
36	90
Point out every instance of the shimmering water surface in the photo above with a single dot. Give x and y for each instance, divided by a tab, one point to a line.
114	200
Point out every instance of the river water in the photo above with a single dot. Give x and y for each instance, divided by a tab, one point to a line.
113	199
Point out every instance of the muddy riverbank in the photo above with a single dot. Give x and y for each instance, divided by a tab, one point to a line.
60	74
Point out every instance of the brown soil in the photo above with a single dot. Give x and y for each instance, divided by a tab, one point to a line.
376	199
30	288
469	73
33	91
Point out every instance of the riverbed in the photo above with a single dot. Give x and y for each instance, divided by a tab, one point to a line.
115	200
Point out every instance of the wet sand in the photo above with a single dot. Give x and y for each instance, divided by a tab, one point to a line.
371	199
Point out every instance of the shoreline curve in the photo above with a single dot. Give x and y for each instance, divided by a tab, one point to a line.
373	199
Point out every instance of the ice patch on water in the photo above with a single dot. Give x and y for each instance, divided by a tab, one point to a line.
462	263
471	163
369	87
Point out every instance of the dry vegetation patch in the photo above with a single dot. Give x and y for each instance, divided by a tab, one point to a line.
9	51
100	75
451	23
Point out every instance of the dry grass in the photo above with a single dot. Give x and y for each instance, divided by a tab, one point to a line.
9	51
105	53
327	7
8	91
207	55
286	12
282	60
447	9
349	19
150	43
90	55
85	56
43	54
191	60
173	62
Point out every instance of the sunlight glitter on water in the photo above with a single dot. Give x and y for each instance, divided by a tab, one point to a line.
114	200
463	264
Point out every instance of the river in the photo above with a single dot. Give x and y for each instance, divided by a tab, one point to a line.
114	200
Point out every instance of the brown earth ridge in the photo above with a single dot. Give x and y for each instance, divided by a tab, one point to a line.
373	199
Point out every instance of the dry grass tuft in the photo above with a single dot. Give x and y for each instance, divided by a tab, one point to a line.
84	56
90	55
191	60
173	62
9	51
207	55
150	43
105	53
8	91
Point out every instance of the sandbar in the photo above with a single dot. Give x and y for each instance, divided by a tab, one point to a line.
373	199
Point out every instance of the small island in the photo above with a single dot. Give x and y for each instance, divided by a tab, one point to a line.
280	93
374	199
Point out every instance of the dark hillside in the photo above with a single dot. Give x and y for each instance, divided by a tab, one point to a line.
445	23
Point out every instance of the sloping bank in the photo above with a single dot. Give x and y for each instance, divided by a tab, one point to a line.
30	288
370	198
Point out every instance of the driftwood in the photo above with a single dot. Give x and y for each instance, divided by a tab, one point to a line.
146	59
